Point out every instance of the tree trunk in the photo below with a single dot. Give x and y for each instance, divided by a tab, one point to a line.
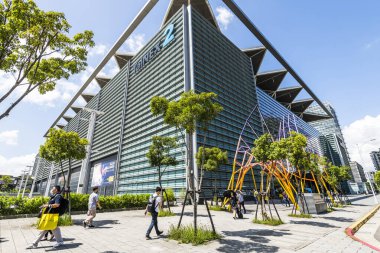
68	185
9	92
64	179
160	183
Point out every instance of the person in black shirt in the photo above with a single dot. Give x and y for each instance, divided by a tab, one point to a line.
52	207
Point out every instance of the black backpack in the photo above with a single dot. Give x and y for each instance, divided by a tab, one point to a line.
152	204
63	206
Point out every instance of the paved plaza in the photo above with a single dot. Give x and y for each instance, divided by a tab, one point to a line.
125	232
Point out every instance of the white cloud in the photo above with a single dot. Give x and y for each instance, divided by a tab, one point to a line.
9	137
99	49
372	43
15	165
135	42
224	16
365	134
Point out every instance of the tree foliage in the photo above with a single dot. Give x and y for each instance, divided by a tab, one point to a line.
337	174
6	182
35	47
190	109
377	178
262	150
61	145
213	158
158	154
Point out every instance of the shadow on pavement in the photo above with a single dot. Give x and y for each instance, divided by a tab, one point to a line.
191	214
257	234
340	219
66	247
229	245
314	223
98	223
3	240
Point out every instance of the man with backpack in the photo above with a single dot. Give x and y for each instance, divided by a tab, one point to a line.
56	204
153	207
93	202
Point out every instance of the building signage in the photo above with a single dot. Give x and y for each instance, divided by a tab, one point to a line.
103	174
155	50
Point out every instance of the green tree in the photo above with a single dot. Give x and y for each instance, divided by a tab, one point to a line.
36	49
158	156
7	181
60	146
210	159
190	111
377	178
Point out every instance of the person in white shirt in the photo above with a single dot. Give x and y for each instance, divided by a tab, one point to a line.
154	206
93	202
241	201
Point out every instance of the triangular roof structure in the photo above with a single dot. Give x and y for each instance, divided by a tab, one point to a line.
270	81
122	59
288	94
201	6
102	81
257	55
300	106
87	97
76	109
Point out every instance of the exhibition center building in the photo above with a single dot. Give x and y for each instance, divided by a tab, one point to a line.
189	52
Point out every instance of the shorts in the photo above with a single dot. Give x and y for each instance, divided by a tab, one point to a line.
91	212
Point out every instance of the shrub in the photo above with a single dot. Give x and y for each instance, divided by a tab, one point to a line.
271	222
79	202
185	234
65	220
170	194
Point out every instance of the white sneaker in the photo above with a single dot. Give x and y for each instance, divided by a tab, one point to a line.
33	246
58	244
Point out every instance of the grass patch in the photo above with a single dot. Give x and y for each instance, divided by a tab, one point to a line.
271	222
185	234
217	208
65	220
302	215
339	205
165	213
330	209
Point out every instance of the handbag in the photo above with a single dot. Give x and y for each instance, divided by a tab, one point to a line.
48	221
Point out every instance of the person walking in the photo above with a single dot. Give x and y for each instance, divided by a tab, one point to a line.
93	202
52	207
241	201
154	206
286	198
234	204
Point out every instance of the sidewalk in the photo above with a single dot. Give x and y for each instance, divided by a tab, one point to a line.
125	231
370	231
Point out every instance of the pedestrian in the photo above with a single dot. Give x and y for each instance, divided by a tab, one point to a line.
154	206
234	204
255	195
93	202
241	201
286	198
46	236
52	207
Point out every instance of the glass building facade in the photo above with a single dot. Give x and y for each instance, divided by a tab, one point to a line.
188	52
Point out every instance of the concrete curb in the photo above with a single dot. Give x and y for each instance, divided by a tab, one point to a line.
351	230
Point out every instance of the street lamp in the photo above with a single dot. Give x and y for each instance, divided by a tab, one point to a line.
366	173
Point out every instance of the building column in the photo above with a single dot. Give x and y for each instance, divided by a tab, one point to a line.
47	190
38	159
85	170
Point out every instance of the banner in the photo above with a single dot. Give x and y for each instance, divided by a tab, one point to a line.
103	173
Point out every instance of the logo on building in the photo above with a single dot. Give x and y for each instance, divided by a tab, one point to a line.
155	50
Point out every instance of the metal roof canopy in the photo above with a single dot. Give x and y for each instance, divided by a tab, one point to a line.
288	94
270	81
202	6
255	31
300	106
127	32
257	55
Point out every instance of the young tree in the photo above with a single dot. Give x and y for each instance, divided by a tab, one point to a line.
60	146
36	49
377	178
158	156
6	182
191	109
210	159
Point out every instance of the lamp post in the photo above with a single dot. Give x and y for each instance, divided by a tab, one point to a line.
366	174
27	177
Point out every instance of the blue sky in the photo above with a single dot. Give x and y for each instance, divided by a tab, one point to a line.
333	45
